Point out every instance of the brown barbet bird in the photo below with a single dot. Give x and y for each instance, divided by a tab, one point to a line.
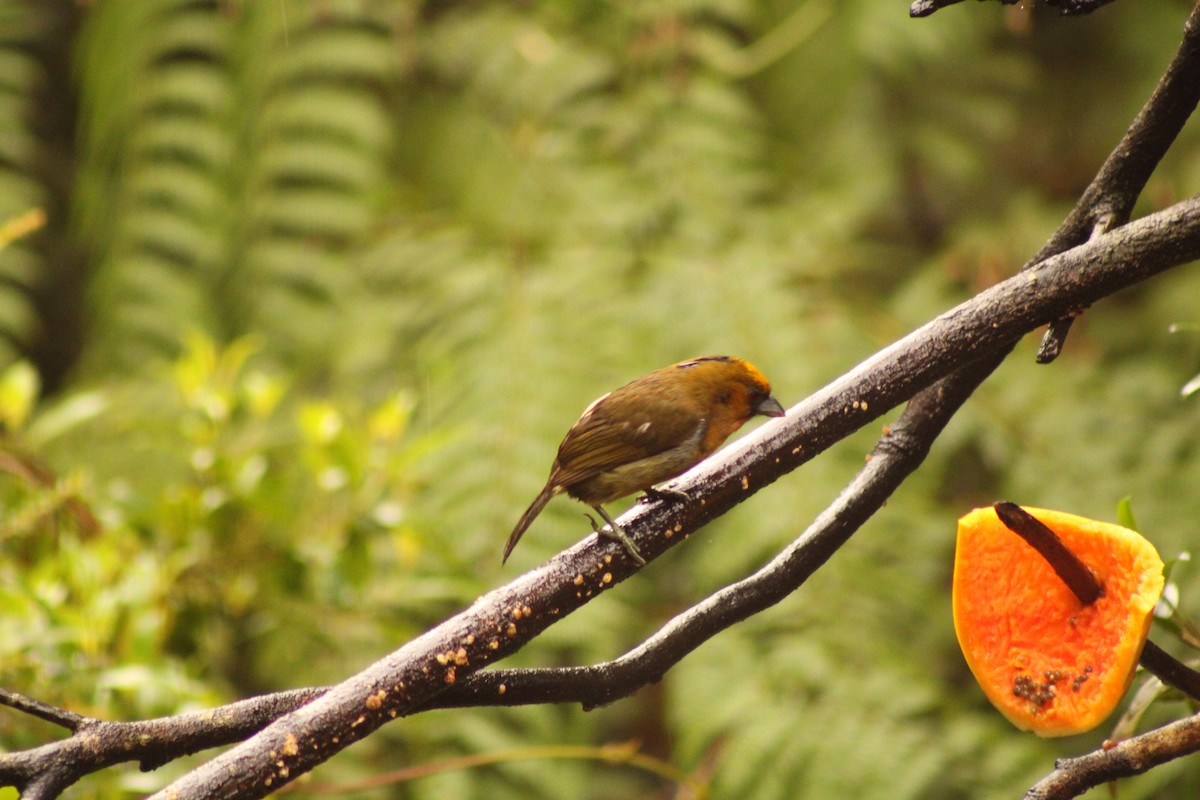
650	430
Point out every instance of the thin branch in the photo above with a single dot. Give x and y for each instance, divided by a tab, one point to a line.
1078	577
923	8
1056	332
1074	776
45	771
36	708
1108	200
1170	670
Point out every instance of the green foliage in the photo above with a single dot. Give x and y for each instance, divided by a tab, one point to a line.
349	270
230	185
245	474
19	191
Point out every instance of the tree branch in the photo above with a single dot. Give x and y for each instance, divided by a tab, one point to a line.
36	708
923	8
507	618
43	772
1074	776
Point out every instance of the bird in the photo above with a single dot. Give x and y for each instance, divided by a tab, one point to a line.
648	431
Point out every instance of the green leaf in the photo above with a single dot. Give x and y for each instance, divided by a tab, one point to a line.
1125	516
19	387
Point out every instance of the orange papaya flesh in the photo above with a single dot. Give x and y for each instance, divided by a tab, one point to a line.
1048	663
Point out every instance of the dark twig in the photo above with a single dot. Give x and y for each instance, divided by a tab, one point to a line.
1073	572
1170	670
1056	332
1109	199
1054	339
923	8
36	708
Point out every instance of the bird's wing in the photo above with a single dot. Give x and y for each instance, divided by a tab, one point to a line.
622	428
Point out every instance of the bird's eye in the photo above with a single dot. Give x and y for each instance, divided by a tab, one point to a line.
723	398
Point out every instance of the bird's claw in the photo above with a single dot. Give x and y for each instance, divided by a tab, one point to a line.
613	531
665	493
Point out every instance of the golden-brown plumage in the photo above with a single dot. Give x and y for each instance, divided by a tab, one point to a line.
650	430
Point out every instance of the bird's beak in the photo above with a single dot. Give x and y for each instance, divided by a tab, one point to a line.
769	407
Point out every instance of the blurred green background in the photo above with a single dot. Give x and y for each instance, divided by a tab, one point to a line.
323	282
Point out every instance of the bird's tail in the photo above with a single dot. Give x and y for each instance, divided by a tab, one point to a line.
527	518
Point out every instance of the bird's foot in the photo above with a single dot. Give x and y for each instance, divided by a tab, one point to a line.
666	493
613	531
